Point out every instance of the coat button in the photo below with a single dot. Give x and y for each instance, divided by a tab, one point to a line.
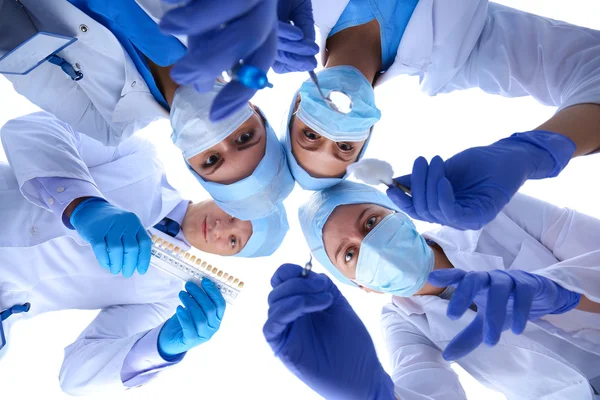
83	28
50	201
33	231
60	189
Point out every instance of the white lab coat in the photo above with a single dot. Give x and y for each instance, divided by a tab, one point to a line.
454	45
112	101
50	266
543	363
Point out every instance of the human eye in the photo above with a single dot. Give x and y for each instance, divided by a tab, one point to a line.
232	241
211	160
370	223
244	137
343	146
310	135
349	255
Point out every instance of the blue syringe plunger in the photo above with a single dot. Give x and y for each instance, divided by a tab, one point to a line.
251	77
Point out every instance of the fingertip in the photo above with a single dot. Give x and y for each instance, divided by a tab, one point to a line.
143	269
183	294
452	316
448	356
491	340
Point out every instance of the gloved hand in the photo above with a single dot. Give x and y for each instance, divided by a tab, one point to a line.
318	336
119	241
195	323
471	188
296	47
219	35
504	299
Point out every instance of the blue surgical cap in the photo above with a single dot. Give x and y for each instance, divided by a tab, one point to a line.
314	214
267	234
259	194
193	131
356	125
353	126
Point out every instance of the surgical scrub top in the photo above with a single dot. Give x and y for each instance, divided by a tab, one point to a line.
138	34
392	15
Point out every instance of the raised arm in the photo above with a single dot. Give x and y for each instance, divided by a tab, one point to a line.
50	161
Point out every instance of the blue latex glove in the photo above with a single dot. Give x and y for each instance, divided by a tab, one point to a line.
194	323
296	47
219	36
318	336
471	188
504	299
119	241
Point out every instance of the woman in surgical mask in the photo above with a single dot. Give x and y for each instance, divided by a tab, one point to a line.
238	160
359	235
450	46
362	43
534	253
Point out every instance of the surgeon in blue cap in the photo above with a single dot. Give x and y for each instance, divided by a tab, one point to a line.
452	291
238	160
319	142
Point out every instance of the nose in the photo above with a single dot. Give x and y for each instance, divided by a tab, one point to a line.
225	228
222	229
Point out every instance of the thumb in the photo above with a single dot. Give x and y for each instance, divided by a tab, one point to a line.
289	31
285	272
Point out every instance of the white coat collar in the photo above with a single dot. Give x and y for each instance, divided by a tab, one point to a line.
459	247
414	54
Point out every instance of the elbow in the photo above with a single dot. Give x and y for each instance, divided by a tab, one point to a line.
73	380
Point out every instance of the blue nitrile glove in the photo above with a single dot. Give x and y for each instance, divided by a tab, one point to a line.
296	47
471	188
119	241
219	36
504	299
194	323
318	336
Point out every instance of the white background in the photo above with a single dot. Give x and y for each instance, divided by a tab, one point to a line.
237	362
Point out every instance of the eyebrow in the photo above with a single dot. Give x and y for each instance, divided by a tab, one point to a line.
216	167
345	241
361	216
246	146
340	247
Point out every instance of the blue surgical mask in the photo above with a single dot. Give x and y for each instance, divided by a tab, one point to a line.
352	127
313	216
394	258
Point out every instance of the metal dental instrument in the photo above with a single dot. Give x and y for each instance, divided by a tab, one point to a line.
307	267
400	186
336	100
